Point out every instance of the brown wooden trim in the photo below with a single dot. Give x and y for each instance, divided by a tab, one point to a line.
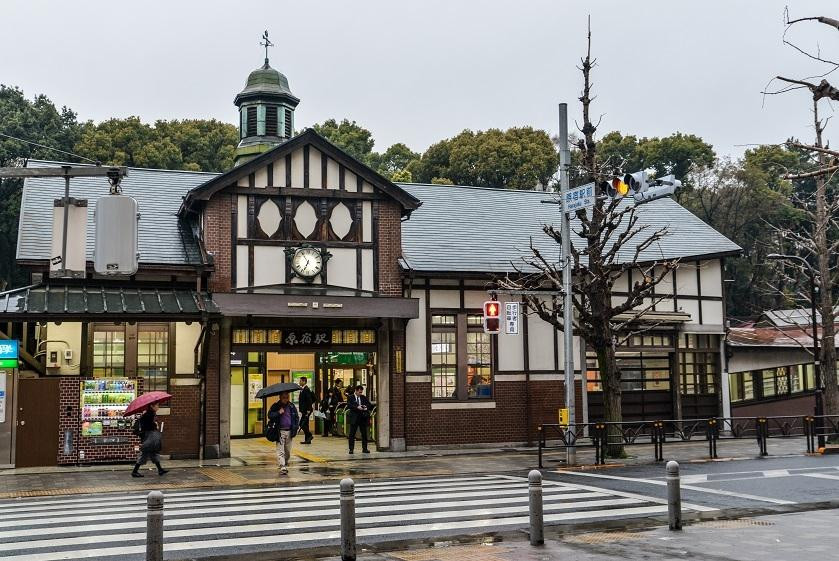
462	357
85	360
287	225
462	294
306	166
270	170
234	239
699	291
171	364
310	193
290	242
675	293
341	172
359	276
252	179
427	330
287	171
556	348
251	217
323	171
358	222
250	265
359	184
130	353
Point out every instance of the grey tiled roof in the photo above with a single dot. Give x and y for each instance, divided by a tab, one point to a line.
163	239
476	229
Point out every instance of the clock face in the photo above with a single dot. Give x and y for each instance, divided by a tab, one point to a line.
307	262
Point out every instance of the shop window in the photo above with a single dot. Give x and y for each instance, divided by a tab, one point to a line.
461	357
109	351
478	358
699	364
735	388
443	357
639	371
153	356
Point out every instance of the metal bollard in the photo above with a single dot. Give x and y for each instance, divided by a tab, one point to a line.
674	496
537	518
154	527
347	520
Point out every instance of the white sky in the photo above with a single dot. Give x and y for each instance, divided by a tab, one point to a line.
424	70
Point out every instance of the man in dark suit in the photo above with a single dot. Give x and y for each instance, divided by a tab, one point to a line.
359	413
307	405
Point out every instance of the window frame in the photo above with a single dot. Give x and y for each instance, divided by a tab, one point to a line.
131	368
167	328
461	329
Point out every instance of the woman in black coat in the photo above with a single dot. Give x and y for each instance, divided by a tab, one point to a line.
150	442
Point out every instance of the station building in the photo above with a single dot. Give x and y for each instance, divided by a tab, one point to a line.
302	261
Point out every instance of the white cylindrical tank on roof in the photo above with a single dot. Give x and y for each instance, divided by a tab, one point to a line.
116	220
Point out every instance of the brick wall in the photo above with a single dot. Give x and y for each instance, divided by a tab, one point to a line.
217	239
397	383
390	247
211	405
180	433
504	423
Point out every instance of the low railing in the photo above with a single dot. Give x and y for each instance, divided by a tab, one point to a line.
602	435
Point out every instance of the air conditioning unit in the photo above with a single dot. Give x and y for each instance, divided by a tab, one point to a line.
117	227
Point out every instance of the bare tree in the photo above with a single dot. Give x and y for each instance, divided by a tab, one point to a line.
820	243
614	242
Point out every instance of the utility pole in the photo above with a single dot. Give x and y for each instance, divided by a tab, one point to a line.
565	259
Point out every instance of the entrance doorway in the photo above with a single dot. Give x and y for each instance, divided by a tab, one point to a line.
37	428
250	371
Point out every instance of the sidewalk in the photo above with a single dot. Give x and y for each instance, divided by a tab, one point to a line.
806	536
253	464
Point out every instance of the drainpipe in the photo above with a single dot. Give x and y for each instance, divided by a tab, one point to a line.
200	368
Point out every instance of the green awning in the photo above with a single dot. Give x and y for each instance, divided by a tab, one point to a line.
81	302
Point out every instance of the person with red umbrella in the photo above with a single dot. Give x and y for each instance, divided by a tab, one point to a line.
146	427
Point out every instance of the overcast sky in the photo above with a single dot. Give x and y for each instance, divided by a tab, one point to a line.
424	70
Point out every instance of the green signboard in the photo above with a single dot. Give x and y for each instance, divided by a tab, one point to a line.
8	363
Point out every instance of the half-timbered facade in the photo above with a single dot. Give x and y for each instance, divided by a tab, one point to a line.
302	261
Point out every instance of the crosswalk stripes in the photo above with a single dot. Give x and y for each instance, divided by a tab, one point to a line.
230	521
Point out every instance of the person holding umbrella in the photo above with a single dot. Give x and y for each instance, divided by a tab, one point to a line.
151	439
283	421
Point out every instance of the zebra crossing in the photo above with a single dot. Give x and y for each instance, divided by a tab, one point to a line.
205	523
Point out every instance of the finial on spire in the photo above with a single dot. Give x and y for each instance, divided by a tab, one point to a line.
266	43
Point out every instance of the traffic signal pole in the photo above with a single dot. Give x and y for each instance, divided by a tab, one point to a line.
565	259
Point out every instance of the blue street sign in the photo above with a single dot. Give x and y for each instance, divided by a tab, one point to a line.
8	349
579	197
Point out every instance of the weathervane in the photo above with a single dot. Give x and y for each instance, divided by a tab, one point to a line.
266	43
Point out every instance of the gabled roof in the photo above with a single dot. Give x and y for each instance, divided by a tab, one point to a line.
163	238
792	336
792	317
488	230
309	136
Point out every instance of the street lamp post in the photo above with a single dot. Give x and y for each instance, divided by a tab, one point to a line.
816	360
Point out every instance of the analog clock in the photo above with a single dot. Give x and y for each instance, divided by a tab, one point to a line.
307	262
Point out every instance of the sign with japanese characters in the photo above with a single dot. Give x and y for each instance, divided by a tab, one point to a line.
307	337
579	197
511	318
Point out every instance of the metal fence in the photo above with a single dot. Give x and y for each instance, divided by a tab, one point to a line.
602	435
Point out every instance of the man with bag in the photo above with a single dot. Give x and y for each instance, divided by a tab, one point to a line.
307	406
359	413
284	421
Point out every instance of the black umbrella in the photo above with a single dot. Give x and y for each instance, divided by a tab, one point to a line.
276	389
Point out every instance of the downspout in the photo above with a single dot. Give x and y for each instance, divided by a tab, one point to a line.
200	368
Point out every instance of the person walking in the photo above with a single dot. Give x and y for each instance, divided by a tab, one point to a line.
151	441
329	406
307	406
359	412
285	415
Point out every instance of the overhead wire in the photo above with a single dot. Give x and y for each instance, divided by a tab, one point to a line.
97	162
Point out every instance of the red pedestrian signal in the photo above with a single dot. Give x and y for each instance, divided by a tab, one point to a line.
492	317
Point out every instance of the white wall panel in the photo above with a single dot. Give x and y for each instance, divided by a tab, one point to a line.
367	221
367	188
341	268
241	266
350	180
686	280
279	172
242	216
712	312
540	343
666	284
690	307
67	336
511	347
268	265
261	177
332	171
710	274
621	283
314	168
415	338
367	274
297	168
475	298
186	337
445	299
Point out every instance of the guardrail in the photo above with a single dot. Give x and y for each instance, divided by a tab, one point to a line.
601	435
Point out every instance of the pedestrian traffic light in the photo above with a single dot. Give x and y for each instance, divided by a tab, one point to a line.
492	317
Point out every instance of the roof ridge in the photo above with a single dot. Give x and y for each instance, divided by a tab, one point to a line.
478	187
